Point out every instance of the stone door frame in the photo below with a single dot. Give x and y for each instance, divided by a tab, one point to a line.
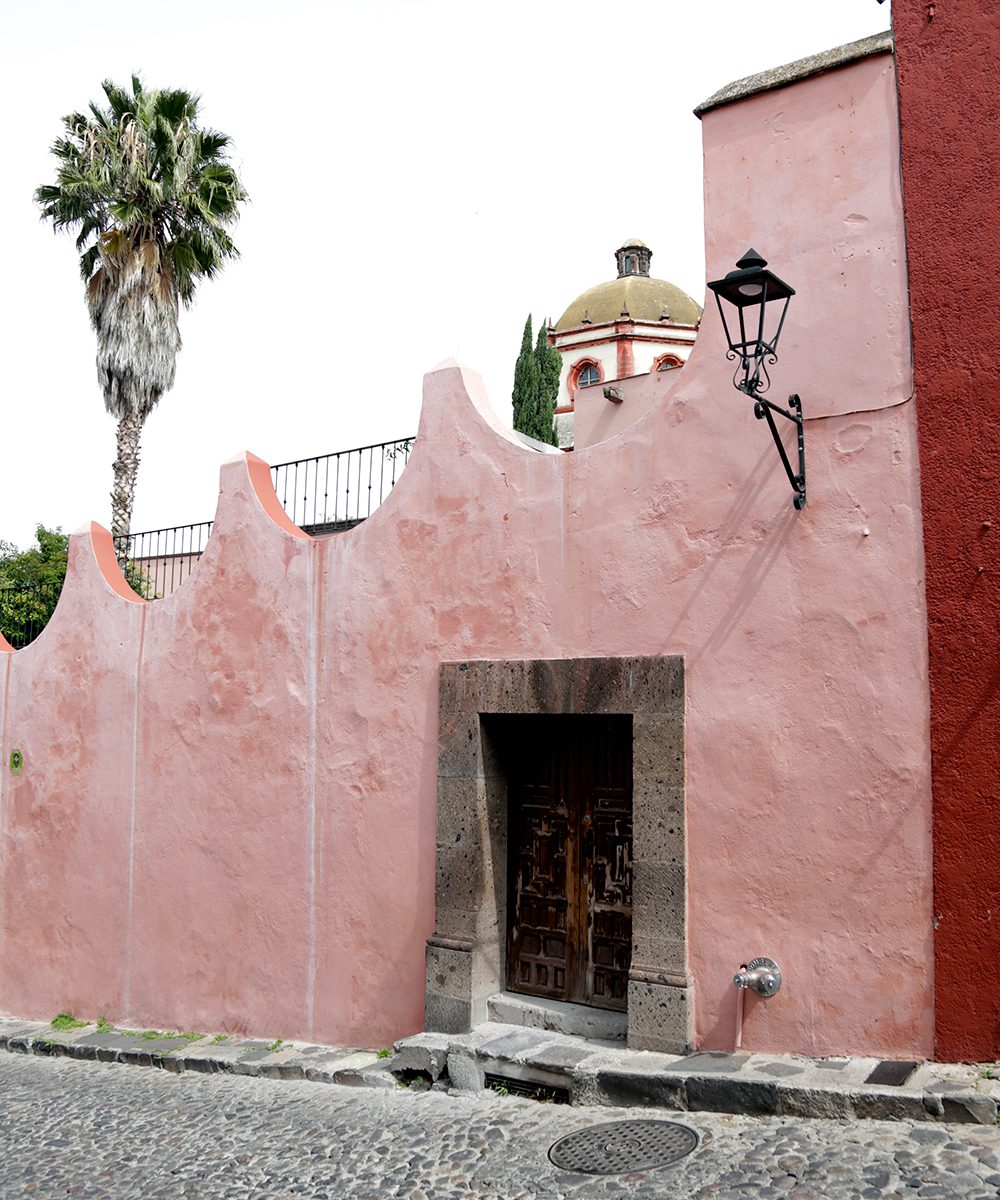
465	955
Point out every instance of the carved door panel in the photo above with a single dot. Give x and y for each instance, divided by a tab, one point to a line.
570	853
542	852
607	862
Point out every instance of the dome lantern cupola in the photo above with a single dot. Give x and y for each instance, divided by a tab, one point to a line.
633	288
633	258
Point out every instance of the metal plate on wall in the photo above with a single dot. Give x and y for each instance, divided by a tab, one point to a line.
618	1147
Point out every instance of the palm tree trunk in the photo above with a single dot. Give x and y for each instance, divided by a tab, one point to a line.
123	493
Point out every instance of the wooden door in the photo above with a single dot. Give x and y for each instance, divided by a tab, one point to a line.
570	854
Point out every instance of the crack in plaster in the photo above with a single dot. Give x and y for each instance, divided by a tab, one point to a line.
130	886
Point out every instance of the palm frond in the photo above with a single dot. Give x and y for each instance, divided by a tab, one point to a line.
99	116
127	214
88	263
47	193
90	225
120	103
176	106
211	143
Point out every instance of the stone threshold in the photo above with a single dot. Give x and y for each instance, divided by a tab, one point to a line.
589	1071
556	1016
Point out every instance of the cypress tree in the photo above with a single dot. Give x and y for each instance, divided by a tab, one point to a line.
549	370
527	385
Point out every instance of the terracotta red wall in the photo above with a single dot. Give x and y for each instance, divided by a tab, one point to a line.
949	113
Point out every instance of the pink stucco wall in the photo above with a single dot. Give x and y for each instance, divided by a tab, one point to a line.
226	818
596	418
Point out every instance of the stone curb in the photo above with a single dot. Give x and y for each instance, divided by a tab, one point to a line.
594	1073
234	1056
759	1098
746	1084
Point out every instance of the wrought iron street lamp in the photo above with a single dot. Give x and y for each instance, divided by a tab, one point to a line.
758	300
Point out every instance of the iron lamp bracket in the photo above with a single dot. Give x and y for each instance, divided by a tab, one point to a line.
763	410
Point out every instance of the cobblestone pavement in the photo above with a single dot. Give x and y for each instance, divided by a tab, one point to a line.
95	1130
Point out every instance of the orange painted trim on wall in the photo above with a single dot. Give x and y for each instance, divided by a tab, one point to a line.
260	479
104	555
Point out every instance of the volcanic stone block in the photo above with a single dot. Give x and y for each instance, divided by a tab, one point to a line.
658	901
459	751
464	875
717	1093
662	953
629	1089
446	1014
658	821
814	1102
658	749
660	1017
449	972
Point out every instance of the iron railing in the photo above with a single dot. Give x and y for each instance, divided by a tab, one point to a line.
25	609
322	495
338	491
159	560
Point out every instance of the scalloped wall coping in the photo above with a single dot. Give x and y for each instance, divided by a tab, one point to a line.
259	475
102	552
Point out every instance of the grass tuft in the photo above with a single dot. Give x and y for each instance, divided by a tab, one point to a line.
65	1020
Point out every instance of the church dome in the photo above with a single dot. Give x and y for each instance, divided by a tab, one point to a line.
644	298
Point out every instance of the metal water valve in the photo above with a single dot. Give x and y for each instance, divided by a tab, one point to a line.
760	975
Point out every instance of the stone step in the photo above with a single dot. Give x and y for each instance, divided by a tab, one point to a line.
579	1020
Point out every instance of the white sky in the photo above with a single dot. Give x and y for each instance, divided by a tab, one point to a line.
422	174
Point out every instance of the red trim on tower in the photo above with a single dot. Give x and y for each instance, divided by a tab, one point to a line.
626	364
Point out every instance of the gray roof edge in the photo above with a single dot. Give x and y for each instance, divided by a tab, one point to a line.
815	64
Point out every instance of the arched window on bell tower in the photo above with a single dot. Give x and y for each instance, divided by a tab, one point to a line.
584	373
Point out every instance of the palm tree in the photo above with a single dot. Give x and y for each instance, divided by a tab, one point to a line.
149	195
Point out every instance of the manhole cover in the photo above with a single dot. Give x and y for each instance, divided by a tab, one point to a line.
621	1146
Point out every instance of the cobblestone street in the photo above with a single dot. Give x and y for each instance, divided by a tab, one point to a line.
94	1130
